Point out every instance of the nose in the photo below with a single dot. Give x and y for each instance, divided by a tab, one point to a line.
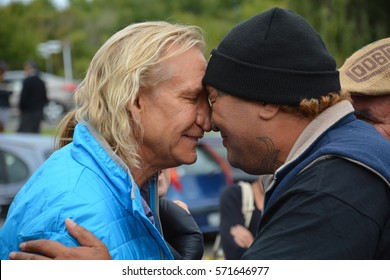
203	117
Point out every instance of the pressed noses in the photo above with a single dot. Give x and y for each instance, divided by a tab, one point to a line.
203	117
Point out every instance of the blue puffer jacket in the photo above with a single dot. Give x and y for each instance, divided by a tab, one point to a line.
83	182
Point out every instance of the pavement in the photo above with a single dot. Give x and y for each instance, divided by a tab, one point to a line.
14	123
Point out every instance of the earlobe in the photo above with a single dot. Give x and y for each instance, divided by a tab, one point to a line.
268	111
135	109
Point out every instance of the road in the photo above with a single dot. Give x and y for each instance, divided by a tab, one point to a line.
14	122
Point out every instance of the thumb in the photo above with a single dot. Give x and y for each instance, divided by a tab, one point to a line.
83	236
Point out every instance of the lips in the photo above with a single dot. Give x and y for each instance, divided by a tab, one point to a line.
194	138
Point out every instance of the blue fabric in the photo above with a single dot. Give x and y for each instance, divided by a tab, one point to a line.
350	139
81	181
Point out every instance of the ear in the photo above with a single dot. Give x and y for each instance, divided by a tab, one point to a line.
136	108
268	111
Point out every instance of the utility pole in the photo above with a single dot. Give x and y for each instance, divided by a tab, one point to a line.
67	57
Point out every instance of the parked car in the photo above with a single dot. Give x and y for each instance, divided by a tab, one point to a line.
20	155
59	91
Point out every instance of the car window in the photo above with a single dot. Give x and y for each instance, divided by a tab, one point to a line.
13	169
205	164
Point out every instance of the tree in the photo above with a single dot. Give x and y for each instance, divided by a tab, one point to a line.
346	25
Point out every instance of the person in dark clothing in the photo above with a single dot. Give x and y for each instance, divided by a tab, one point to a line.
277	102
5	94
239	220
33	98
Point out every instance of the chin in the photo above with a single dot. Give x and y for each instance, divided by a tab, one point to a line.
235	163
190	161
189	158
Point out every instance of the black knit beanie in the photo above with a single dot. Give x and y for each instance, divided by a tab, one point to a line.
274	57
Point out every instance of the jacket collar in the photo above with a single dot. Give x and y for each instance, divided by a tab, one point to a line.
310	134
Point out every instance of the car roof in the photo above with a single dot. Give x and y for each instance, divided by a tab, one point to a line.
37	141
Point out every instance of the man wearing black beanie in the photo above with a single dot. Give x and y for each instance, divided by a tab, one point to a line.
276	100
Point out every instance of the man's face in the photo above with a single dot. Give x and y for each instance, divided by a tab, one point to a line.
374	110
241	130
176	112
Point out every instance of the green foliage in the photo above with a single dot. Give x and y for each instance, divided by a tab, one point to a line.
345	25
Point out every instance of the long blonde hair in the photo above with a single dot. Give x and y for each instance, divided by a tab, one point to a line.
128	61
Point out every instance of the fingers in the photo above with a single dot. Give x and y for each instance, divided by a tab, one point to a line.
242	236
26	256
182	205
83	236
48	248
91	246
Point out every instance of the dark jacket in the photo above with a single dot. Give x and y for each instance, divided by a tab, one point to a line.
180	231
33	96
5	93
331	200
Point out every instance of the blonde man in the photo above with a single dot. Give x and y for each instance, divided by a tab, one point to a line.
141	108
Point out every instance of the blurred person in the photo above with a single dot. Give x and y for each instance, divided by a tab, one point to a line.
240	207
5	93
366	75
164	182
33	99
141	108
278	105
